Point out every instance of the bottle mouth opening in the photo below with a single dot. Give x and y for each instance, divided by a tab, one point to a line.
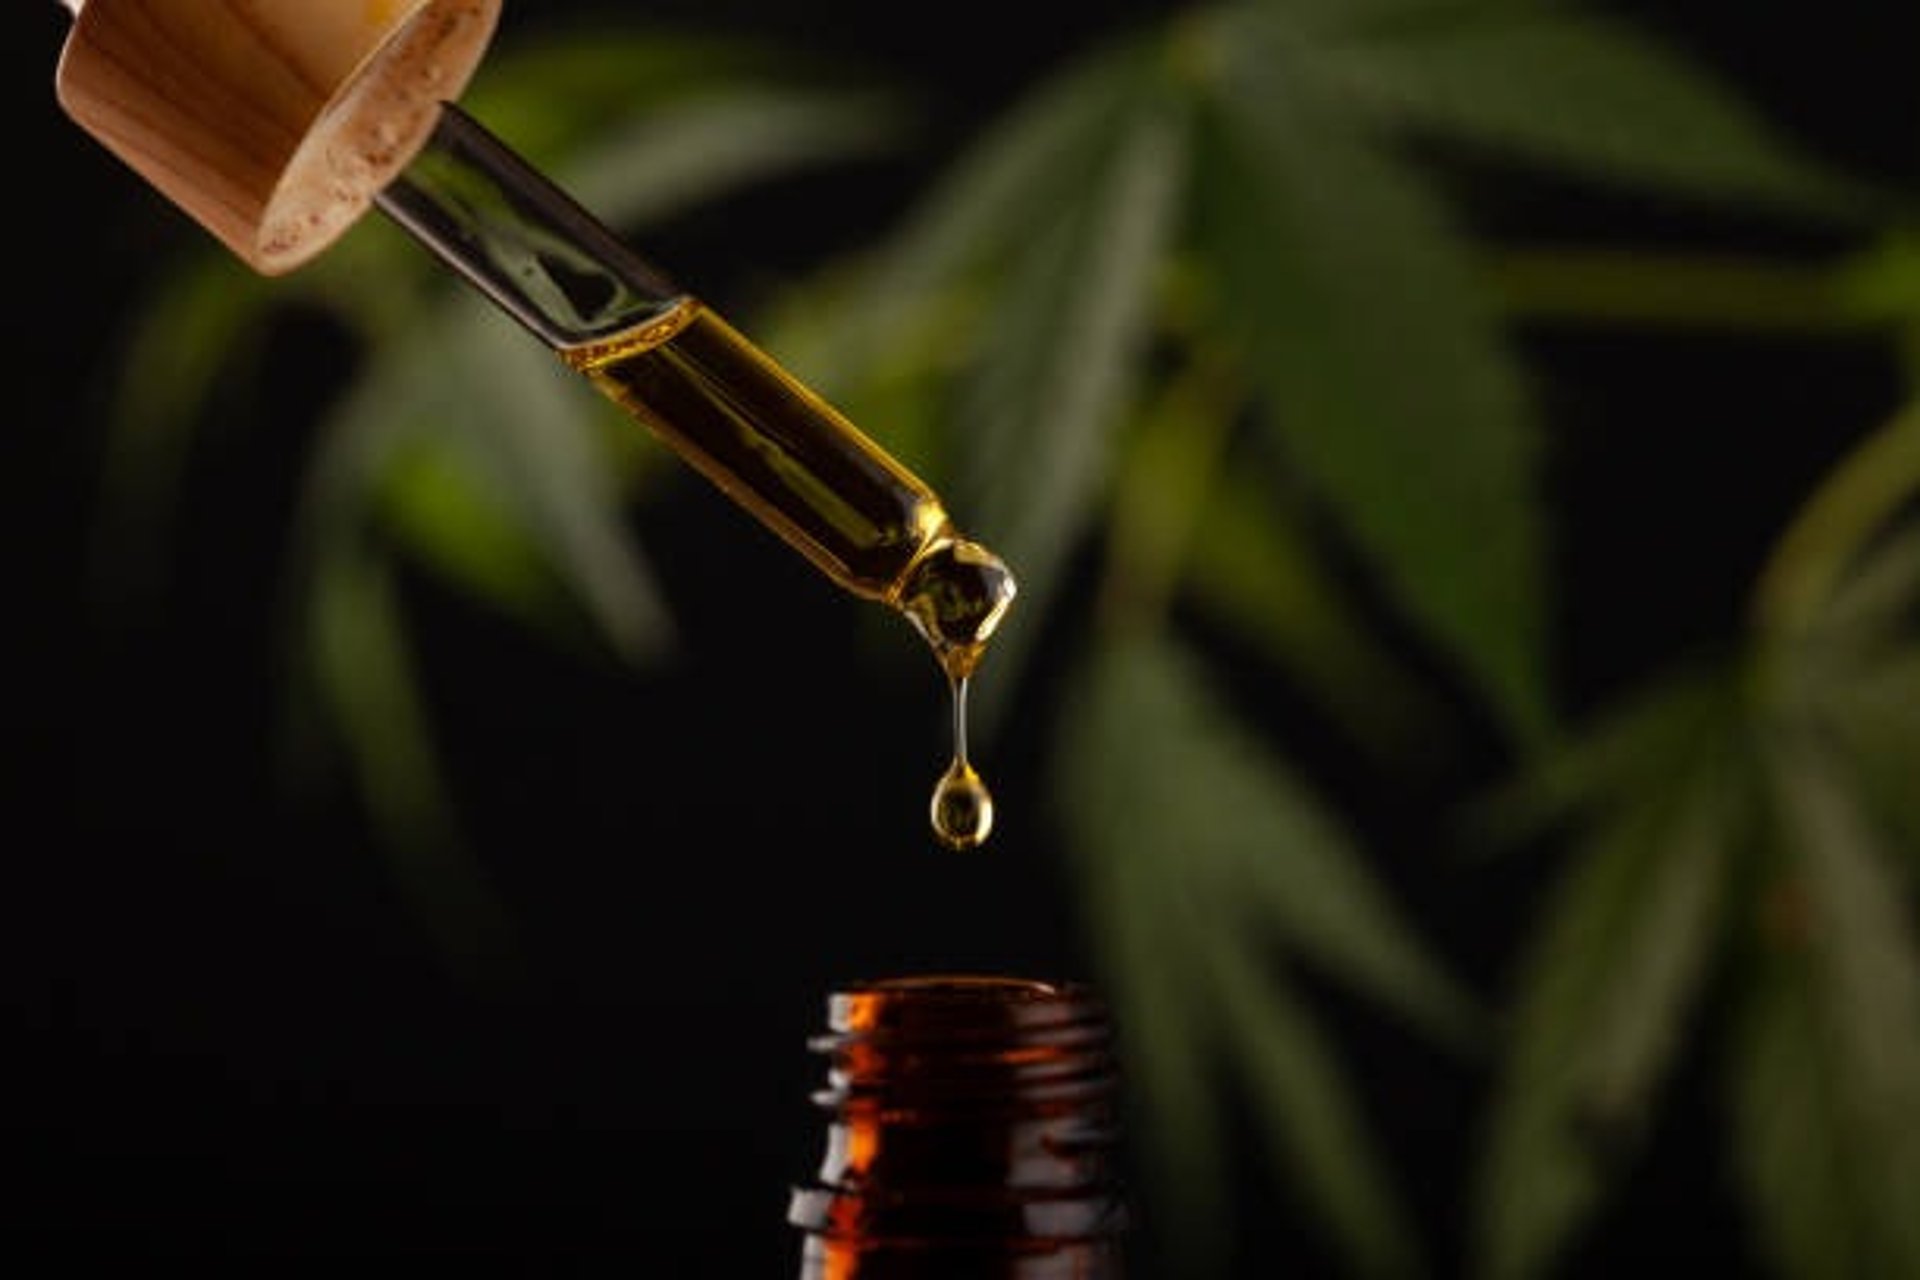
958	987
958	1005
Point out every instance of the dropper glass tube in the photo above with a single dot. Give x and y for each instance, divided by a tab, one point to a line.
726	407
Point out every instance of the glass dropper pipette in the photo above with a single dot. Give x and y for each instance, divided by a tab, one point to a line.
278	126
776	448
726	407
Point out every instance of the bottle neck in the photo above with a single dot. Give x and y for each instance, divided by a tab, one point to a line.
973	1131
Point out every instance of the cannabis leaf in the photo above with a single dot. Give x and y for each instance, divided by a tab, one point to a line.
1738	824
1187	827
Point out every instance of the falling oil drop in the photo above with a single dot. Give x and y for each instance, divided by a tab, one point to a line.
962	807
956	595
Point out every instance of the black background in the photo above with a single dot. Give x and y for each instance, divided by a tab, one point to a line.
225	1034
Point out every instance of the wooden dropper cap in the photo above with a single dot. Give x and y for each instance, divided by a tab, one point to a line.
273	123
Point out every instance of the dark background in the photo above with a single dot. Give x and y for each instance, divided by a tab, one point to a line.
225	1034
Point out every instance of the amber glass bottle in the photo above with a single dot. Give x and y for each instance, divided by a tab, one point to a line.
973	1132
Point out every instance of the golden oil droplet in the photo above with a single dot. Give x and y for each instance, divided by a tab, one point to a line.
962	808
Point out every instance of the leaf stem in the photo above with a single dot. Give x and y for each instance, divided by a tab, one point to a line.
1847	508
1648	288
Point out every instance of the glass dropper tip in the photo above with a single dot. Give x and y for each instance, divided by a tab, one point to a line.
956	595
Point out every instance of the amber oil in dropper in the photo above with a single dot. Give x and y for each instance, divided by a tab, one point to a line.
724	406
780	451
785	455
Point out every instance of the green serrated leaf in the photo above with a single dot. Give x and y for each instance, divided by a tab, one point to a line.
366	678
1881	285
1141	923
1659	291
1227	859
1302	1097
1862	927
528	420
1626	752
1286	857
897	393
1617	960
1386	380
1878	598
474	385
1045	398
436	504
1037	158
375	280
1322	18
681	155
1172	460
1254	839
1581	92
1165	1015
1854	502
1792	1156
1254	565
202	324
1876	720
609	71
1152	776
1864	986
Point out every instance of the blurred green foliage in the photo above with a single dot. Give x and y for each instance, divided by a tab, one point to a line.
1201	311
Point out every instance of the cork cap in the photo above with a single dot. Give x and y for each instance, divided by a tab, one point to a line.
273	123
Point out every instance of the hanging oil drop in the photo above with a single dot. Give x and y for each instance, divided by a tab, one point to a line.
962	807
